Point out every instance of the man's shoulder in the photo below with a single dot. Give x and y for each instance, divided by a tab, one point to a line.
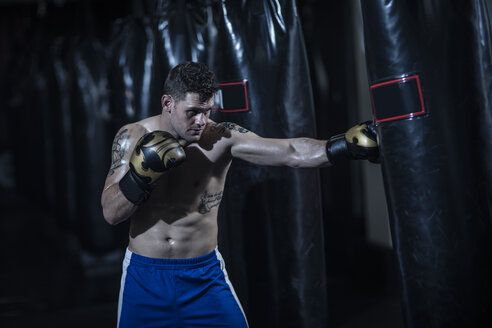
141	127
221	135
225	128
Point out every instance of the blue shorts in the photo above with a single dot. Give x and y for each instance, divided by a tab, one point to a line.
192	292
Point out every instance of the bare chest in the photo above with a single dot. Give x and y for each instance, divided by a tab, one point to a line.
194	186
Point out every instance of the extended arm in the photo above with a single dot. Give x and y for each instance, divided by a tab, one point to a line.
295	152
360	142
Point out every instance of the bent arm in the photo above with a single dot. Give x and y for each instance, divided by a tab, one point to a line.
294	152
116	207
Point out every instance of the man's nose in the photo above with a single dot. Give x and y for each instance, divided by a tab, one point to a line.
200	119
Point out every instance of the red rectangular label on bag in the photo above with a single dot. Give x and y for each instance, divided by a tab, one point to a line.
397	99
232	97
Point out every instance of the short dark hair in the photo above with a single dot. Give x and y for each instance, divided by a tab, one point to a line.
190	77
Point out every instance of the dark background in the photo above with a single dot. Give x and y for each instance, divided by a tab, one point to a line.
61	263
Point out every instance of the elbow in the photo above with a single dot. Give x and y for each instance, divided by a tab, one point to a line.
110	218
111	209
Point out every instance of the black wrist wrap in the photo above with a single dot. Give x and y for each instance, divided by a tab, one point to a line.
133	188
336	149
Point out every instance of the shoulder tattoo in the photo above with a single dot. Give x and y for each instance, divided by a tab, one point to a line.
119	148
224	126
209	201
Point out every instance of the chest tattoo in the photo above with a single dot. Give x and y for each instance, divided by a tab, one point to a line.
209	201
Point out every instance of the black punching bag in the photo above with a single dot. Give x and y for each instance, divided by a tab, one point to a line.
429	67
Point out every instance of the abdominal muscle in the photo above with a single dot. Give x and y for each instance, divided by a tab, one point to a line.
190	236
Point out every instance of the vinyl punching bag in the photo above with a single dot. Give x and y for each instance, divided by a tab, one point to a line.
430	75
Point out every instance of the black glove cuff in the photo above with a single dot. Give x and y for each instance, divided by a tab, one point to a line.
132	188
336	149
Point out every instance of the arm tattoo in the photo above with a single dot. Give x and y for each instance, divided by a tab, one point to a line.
120	146
209	201
223	126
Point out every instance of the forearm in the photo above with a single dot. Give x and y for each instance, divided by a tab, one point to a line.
307	153
116	208
294	152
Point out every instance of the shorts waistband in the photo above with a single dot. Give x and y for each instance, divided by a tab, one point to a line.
171	263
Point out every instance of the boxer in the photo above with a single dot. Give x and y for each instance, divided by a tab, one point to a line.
167	176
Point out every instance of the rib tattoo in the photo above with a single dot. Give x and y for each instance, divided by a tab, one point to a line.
209	201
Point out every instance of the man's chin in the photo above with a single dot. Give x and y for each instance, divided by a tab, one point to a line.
193	137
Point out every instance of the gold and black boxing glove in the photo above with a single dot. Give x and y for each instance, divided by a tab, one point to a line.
359	142
154	153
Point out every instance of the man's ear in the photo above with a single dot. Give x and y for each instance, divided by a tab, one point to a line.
167	103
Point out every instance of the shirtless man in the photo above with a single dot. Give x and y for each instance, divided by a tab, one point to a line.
167	175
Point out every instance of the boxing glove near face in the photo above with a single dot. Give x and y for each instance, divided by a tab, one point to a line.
155	153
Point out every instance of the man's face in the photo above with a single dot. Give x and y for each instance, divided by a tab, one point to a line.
189	116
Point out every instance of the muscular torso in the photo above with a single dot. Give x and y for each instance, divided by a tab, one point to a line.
179	220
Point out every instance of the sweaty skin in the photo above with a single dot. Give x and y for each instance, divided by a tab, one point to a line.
179	220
